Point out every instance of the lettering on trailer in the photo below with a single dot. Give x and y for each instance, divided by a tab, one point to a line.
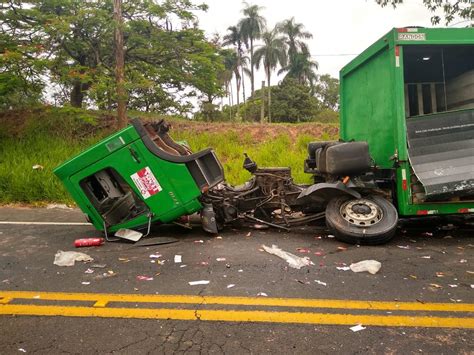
405	36
146	182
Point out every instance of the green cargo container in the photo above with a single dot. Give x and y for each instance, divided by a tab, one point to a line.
410	95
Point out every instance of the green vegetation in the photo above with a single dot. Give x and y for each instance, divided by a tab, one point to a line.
47	137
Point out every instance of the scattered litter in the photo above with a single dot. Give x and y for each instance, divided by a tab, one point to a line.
105	275
125	260
440	274
68	258
85	283
453	286
183	266
22	350
38	167
463	261
357	328
240	270
425	257
436	285
263	294
331	236
470	272
320	282
227	266
199	241
89	271
249	234
372	266
472	286
302	282
144	278
88	242
160	262
318	253
341	248
218	237
200	282
343	268
98	266
220	259
155	256
293	261
413	277
60	206
178	259
204	263
303	250
403	246
427	234
129	234
260	226
230	285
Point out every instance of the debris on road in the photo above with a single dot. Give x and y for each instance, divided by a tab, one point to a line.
320	283
89	271
357	328
372	266
178	259
249	234
436	286
155	256
293	261
68	258
128	234
230	285
85	282
220	259
343	268
200	282
88	242
331	236
144	278
403	246
303	250
199	241
426	257
263	294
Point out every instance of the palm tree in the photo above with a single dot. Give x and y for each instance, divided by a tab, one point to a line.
295	34
230	58
251	27
271	54
234	37
301	68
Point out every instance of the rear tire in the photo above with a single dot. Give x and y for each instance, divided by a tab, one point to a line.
370	220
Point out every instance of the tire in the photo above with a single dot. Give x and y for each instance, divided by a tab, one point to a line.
373	222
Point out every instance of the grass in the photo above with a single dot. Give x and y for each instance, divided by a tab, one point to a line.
52	138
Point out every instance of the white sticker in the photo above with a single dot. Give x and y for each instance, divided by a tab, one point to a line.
146	182
411	36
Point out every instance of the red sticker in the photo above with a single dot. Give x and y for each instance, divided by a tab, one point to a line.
146	182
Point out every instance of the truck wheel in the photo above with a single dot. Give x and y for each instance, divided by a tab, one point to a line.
370	220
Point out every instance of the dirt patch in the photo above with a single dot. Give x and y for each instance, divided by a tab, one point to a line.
258	132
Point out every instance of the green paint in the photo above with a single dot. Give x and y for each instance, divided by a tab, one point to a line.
373	105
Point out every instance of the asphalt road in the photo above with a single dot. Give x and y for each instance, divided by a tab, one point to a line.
425	281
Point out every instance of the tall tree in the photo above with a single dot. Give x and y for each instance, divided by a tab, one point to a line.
119	66
295	36
234	37
302	68
251	26
272	53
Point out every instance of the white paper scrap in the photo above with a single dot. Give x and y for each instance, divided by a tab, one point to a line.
357	328
200	282
178	259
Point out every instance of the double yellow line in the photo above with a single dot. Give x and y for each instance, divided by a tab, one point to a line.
102	305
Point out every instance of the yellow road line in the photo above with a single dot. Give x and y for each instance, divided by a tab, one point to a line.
100	298
239	316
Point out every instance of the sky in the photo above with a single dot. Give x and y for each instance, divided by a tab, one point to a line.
341	28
